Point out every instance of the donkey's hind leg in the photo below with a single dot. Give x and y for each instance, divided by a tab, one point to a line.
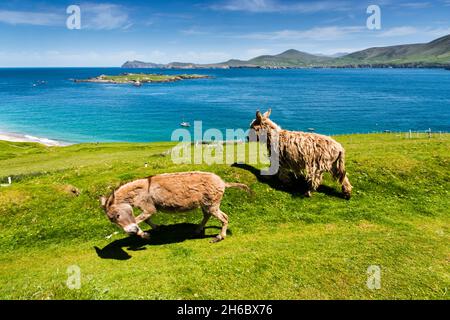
219	214
201	226
341	176
347	188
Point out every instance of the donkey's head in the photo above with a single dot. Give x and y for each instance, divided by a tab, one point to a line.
263	125
121	214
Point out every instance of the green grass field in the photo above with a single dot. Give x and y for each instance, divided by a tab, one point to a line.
280	245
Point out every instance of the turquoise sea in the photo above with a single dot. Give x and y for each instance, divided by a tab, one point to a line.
332	101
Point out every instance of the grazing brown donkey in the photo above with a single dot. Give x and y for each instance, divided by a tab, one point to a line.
306	154
170	192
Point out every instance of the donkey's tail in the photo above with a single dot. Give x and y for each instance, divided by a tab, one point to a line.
238	185
340	172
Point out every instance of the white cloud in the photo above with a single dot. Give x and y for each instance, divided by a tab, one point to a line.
416	5
438	32
173	16
31	18
398	32
55	58
155	56
104	16
319	33
193	32
98	58
246	5
266	6
409	30
200	57
256	52
93	16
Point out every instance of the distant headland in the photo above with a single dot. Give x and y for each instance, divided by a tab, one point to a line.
434	54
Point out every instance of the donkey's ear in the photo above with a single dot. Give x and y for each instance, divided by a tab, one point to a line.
103	201
259	115
267	114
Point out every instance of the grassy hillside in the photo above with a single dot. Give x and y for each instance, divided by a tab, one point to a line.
280	244
433	54
289	58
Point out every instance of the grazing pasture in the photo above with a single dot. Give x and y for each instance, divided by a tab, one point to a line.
280	245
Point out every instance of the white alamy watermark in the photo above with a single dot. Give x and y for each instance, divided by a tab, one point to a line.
374	20
213	147
7	184
73	22
73	281
374	277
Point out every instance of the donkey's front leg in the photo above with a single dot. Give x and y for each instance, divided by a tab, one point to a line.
147	211
144	216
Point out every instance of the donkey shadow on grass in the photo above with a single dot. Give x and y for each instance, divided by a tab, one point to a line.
298	187
174	233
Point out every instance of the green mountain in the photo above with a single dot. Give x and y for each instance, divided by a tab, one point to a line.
433	54
290	58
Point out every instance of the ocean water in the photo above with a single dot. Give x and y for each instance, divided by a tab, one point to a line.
332	101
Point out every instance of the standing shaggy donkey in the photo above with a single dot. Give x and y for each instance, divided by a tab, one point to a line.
306	154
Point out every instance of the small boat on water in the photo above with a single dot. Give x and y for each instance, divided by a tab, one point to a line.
39	83
185	124
137	84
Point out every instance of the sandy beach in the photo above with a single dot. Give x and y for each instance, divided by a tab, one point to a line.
16	137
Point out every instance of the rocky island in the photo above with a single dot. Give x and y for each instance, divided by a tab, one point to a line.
141	78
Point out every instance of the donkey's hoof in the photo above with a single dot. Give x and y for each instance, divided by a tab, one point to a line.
217	239
347	195
145	235
308	194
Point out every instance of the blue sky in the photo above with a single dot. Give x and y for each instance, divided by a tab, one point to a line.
34	33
